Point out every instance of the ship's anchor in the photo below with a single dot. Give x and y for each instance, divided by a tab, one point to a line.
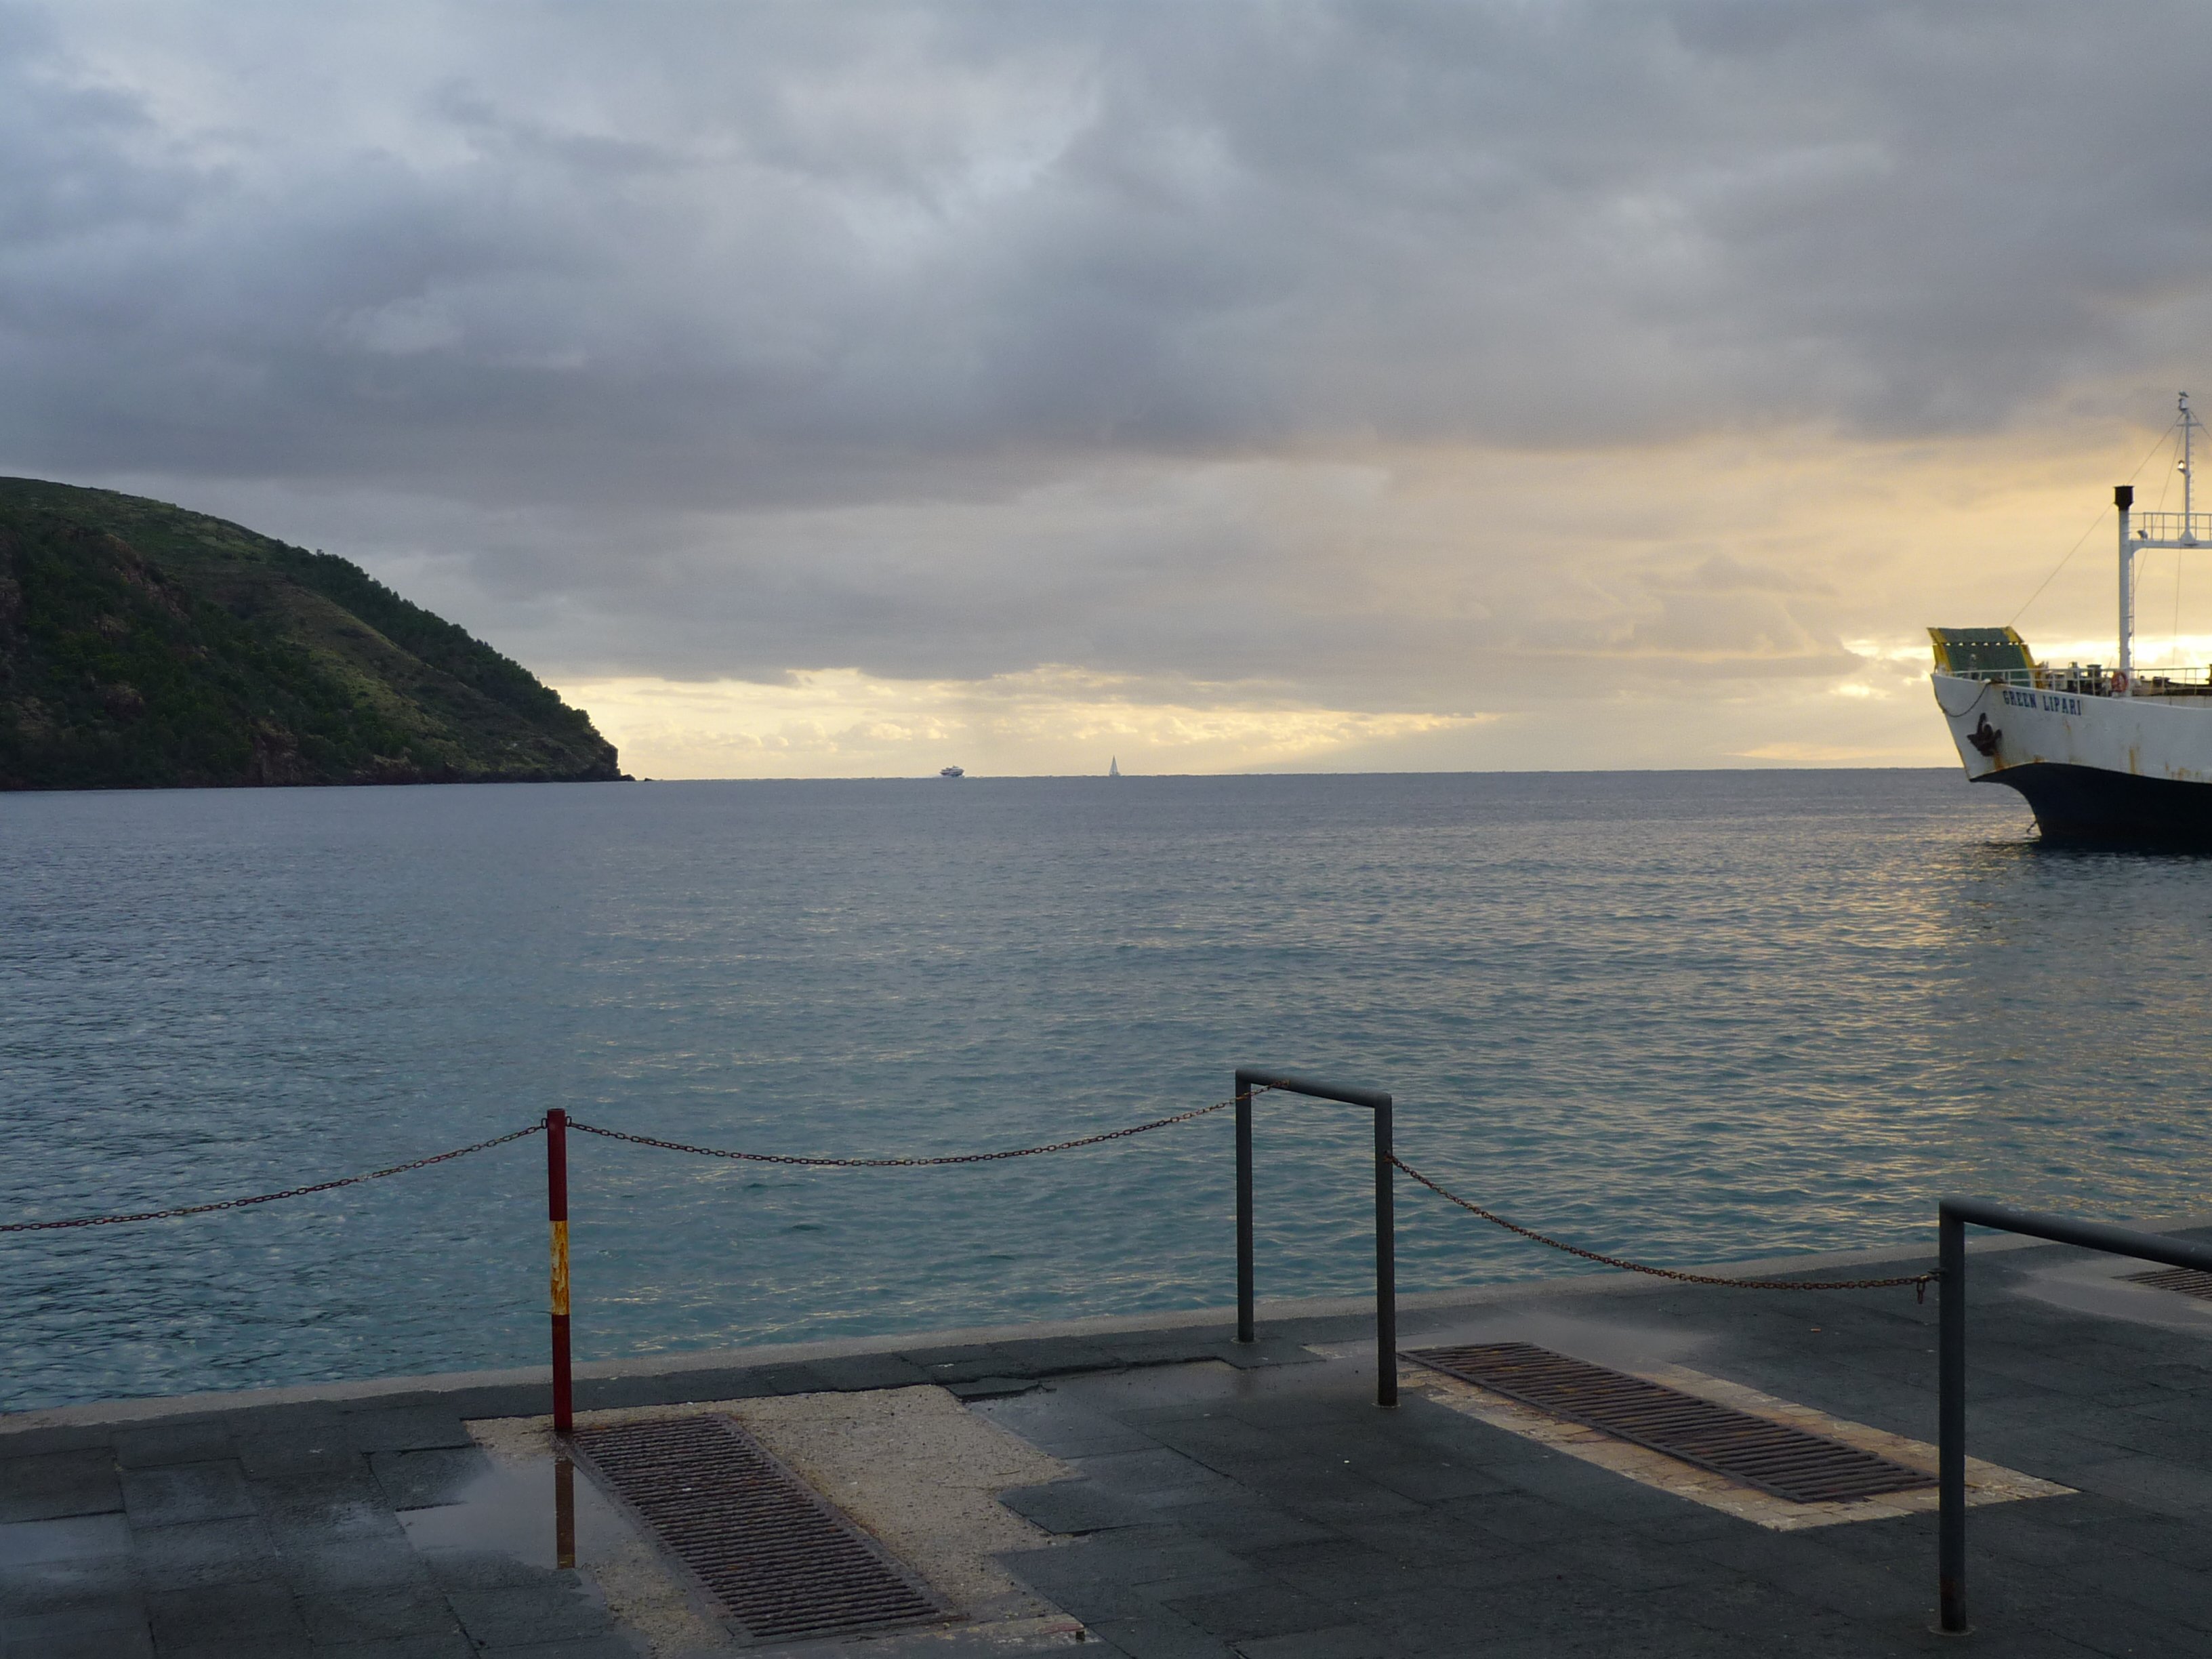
1984	737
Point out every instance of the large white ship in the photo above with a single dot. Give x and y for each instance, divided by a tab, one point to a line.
2102	753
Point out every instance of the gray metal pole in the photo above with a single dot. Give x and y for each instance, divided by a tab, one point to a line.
1386	1262
1951	1419
1244	1332
1953	1216
2089	1235
1386	1247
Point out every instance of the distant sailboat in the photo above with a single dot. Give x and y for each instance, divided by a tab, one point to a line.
1114	767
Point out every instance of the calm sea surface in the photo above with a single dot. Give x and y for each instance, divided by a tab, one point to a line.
1689	1016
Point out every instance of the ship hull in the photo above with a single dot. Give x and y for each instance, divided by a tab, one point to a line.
2110	770
2082	805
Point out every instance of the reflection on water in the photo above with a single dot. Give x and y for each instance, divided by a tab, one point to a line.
1692	1018
564	1512
535	1513
2075	1005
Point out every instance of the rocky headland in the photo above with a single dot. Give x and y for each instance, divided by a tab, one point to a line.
145	647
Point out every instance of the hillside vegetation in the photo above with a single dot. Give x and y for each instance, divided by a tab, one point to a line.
145	646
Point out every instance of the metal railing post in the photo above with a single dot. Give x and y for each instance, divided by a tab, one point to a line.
1951	1420
1386	1226
1953	1217
1386	1262
1245	1277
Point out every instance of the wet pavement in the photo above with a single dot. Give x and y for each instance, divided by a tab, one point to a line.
1221	1501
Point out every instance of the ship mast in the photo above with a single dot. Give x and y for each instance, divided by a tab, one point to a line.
2188	458
2155	529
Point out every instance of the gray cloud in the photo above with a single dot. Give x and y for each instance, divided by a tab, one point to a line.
735	339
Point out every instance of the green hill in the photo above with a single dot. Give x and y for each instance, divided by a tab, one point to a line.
144	646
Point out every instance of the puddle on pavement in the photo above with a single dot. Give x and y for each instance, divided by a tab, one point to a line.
539	1509
543	1514
2098	1286
75	1539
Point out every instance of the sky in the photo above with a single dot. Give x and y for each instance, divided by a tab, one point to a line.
852	389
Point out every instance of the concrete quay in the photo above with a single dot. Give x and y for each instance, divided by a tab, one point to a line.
1200	1499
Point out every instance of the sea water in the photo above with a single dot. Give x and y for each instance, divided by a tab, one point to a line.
1691	1017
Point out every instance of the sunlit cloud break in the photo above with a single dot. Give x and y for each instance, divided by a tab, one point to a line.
1055	721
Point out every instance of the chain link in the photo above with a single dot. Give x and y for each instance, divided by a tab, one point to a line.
270	1198
901	1162
1918	1281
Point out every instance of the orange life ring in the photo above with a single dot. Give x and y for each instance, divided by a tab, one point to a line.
2119	682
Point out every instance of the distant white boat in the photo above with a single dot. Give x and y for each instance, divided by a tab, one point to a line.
951	772
1114	767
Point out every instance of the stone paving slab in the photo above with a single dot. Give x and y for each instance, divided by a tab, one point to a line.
1329	1526
1226	1501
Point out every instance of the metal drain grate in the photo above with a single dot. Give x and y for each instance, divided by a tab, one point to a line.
2189	1281
782	1564
1805	1469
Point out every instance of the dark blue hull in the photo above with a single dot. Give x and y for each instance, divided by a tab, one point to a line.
2088	804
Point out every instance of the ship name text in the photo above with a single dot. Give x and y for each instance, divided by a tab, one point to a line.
2051	702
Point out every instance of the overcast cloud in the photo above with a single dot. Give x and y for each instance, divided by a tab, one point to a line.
1365	359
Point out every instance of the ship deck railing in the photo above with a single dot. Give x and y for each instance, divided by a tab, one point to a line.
2185	529
2096	681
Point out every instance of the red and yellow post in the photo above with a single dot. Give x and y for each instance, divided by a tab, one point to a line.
557	1213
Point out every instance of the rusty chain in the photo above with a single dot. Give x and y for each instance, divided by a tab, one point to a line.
900	1162
270	1198
1918	1281
611	1134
